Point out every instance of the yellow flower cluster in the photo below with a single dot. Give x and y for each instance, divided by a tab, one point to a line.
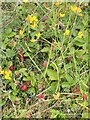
77	9
33	40
37	35
7	74
33	20
56	97
21	32
67	32
62	15
57	3
80	34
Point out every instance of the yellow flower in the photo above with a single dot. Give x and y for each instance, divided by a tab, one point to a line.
80	14
38	34
2	72
34	25
28	17
25	0
79	10
31	18
57	3
74	8
35	19
67	32
20	32
56	97
80	35
8	77
62	15
8	72
33	40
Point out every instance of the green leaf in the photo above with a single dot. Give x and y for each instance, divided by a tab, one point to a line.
53	65
54	113
3	45
12	97
22	113
85	115
70	80
10	53
65	84
52	74
45	49
2	102
31	91
11	34
27	78
53	87
78	43
80	52
22	70
33	79
9	30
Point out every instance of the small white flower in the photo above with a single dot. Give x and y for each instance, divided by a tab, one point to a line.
68	110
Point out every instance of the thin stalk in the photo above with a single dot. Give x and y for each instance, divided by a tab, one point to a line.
31	59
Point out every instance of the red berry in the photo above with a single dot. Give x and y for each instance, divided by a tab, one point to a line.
84	97
24	88
40	88
21	58
17	74
25	39
80	58
69	58
40	96
28	115
11	68
45	17
45	5
44	63
27	83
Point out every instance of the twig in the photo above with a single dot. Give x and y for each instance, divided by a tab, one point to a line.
83	106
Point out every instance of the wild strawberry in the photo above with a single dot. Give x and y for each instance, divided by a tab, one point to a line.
69	58
45	5
21	58
40	88
25	38
27	83
11	67
80	58
17	74
84	97
40	96
28	115
24	88
44	63
45	17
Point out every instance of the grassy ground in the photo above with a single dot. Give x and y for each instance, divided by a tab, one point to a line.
44	60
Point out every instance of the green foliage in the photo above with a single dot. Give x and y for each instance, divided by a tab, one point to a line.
37	54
